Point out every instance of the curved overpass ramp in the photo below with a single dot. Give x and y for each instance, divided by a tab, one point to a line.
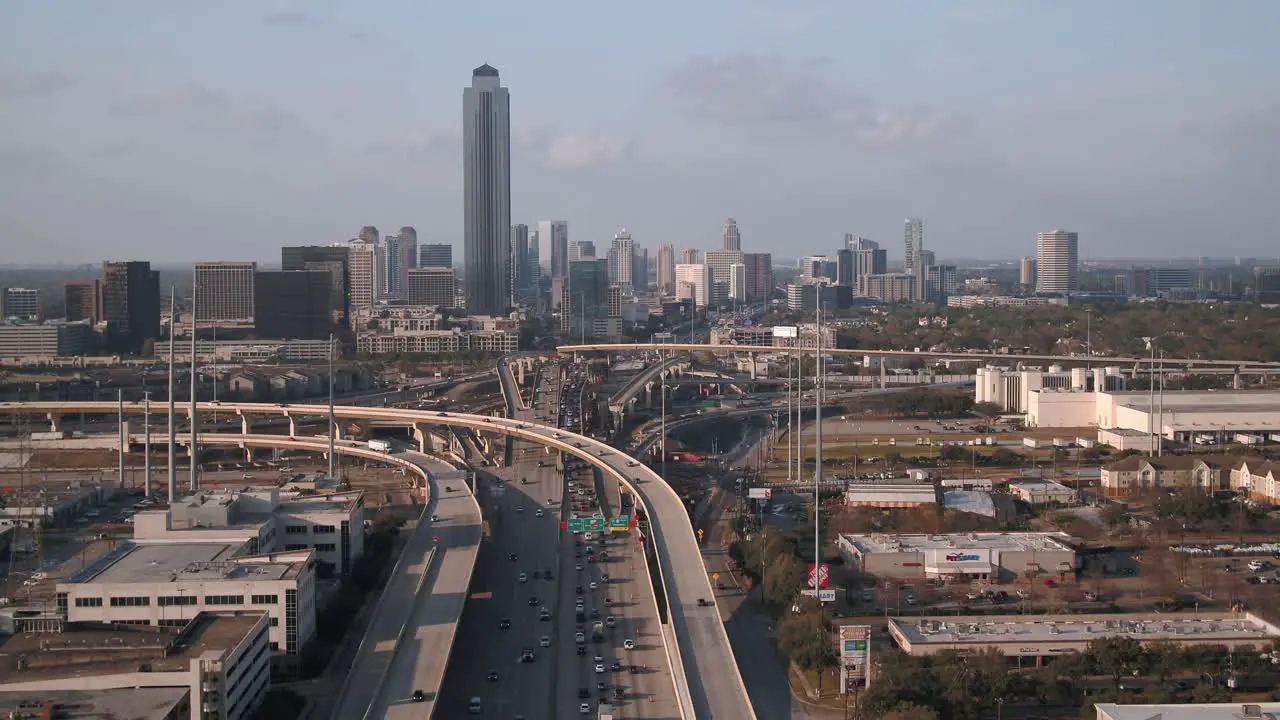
706	675
627	394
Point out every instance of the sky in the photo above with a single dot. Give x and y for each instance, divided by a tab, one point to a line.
182	130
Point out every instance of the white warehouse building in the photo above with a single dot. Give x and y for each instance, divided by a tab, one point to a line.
1187	414
1011	389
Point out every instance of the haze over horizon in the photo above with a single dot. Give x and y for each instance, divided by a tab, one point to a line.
178	131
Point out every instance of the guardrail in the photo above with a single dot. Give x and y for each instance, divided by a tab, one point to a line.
669	643
404	628
471	570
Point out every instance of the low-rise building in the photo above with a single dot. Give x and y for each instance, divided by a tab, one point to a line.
1042	492
213	666
55	338
437	342
49	505
961	557
1189	711
1136	474
170	583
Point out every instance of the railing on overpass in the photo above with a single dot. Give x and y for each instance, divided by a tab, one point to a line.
716	661
631	389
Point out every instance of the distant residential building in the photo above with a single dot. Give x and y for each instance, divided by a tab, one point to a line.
56	338
20	303
1057	262
869	261
292	304
440	254
912	241
432	286
83	300
130	305
398	254
362	269
889	287
224	292
1027	272
622	257
438	342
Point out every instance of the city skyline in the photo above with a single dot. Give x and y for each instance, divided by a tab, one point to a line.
1132	148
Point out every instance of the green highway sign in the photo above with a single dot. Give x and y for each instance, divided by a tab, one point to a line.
622	523
586	524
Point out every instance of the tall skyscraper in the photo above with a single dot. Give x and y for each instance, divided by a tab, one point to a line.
872	261
690	256
582	250
224	292
1057	261
369	234
732	238
410	236
362	274
845	269
737	283
639	269
693	282
519	259
398	254
291	304
913	241
667	269
1027	272
435	255
759	269
622	258
855	243
719	263
130	305
84	300
486	120
553	248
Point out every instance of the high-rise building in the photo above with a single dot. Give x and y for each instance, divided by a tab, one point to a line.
1057	261
292	304
871	261
130	305
224	292
759	267
622	258
639	269
436	254
397	254
369	234
732	238
83	300
845	267
20	303
719	262
409	235
519	259
693	282
585	294
737	283
582	250
690	256
331	259
913	241
432	286
553	248
855	243
1026	272
486	120
667	269
889	287
362	274
1265	289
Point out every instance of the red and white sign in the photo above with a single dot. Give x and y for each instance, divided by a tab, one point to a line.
823	574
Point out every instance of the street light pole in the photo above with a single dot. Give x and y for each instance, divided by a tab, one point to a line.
332	422
195	453
817	454
146	442
791	429
173	425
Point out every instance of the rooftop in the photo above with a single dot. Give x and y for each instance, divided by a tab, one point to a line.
327	502
1190	711
1201	628
887	543
131	703
90	649
1040	486
186	562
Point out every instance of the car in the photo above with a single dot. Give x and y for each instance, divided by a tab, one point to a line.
492	676
504	624
577	589
519	508
526	655
593	585
628	644
610	621
578	567
604	577
595	614
419	696
522	577
599	668
633	463
548	575
474	707
616	666
533	601
608	601
513	557
537	574
601	687
544	641
580	638
538	513
619	692
582	649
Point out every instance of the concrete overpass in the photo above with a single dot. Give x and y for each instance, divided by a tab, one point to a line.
618	403
707	680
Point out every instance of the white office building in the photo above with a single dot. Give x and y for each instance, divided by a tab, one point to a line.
737	283
693	282
1057	261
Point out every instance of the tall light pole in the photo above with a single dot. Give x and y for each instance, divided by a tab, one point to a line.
173	425
1160	421
195	453
123	431
332	423
1151	397
146	443
790	429
817	459
662	359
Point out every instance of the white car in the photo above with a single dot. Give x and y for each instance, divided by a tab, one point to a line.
599	668
523	577
593	585
628	644
545	641
578	567
584	709
519	508
539	513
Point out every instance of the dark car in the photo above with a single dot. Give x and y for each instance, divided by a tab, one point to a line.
419	696
492	676
513	557
504	624
533	601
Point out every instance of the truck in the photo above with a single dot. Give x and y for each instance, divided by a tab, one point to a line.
606	711
597	632
380	445
1031	442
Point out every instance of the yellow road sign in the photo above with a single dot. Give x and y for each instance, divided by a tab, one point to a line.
715	577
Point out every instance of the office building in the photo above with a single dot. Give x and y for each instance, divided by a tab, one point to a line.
1027	272
845	267
759	268
224	292
439	254
694	282
56	338
998	557
586	294
869	261
856	244
397	254
639	269
213	666
519	260
20	303
666	270
83	300
888	287
737	283
582	250
1266	286
487	192
1158	282
332	259
553	248
362	277
912	240
130	305
719	262
432	286
943	282
1057	261
292	304
368	234
438	342
732	238
622	257
690	256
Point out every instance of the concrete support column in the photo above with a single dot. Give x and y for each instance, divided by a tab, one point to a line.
293	425
1235	383
648	395
55	422
244	424
248	455
884	375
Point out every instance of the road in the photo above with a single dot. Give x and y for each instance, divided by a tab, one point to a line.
380	655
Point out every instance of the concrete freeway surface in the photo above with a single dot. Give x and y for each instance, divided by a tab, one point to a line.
710	684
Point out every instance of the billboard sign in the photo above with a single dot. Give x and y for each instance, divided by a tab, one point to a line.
820	577
942	558
760	493
786	331
855	657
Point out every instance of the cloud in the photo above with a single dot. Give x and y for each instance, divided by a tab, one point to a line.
202	108
771	93
575	151
551	148
290	18
21	85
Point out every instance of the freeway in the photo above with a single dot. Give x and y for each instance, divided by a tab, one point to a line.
709	684
989	357
629	391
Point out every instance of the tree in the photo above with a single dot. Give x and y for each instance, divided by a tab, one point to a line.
783	578
1115	515
1116	656
806	638
987	409
911	711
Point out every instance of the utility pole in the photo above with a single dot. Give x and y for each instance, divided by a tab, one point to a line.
333	428
173	425
124	433
817	459
662	359
146	434
195	452
791	429
1160	422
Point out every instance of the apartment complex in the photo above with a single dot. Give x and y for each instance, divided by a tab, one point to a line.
432	286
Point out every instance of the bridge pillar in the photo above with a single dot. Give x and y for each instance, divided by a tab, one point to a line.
244	424
293	425
884	375
1235	382
648	395
55	422
248	454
